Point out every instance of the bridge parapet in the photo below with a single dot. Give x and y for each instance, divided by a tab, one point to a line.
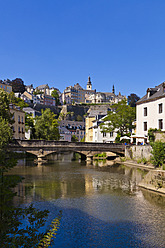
47	147
52	143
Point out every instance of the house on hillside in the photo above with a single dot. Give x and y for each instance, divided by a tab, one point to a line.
150	112
94	113
99	135
19	122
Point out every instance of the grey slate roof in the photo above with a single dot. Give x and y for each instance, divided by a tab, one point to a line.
155	93
42	86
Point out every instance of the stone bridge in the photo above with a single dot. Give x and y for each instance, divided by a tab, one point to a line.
41	148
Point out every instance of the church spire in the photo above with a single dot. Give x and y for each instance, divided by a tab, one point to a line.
113	89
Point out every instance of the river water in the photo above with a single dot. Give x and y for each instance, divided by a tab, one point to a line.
101	206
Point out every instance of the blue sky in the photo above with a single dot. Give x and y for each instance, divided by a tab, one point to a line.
120	42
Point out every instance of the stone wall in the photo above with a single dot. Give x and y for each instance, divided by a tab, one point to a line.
154	180
160	135
138	151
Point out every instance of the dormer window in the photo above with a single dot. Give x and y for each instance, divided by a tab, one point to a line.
163	87
148	92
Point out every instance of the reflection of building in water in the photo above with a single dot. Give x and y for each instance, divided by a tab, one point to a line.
88	184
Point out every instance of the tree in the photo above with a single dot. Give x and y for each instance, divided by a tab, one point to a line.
158	152
151	135
120	118
12	231
46	126
132	99
30	125
74	138
56	96
17	101
4	107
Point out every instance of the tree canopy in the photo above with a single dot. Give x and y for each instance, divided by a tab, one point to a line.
132	99
46	126
56	96
17	101
4	107
120	118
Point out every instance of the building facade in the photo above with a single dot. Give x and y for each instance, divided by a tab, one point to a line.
65	134
76	94
19	122
94	113
5	86
150	112
76	128
99	135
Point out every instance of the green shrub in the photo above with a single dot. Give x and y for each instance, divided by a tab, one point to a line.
158	152
122	159
101	155
139	160
144	160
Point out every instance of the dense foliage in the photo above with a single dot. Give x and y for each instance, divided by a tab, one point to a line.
132	99
56	96
46	126
121	119
158	152
74	138
151	135
17	101
13	232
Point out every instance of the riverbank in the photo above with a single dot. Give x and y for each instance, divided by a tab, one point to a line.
154	180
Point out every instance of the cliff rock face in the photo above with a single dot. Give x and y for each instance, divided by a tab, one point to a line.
72	112
55	109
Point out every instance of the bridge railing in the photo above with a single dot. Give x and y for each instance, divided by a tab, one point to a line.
51	143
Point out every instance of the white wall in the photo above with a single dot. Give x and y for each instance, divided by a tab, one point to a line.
152	117
99	137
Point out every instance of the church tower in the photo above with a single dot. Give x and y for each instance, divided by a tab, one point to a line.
89	84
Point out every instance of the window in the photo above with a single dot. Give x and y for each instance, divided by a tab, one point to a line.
104	134
18	118
145	111
160	123
160	108
111	134
145	126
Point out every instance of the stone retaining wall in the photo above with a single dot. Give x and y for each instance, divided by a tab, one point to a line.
154	180
138	152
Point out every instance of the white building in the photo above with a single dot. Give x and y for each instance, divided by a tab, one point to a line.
99	135
150	112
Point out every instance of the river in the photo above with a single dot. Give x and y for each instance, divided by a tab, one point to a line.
101	206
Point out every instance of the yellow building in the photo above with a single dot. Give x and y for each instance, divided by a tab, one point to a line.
88	130
19	124
5	86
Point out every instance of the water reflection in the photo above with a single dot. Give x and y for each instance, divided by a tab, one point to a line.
72	179
98	203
